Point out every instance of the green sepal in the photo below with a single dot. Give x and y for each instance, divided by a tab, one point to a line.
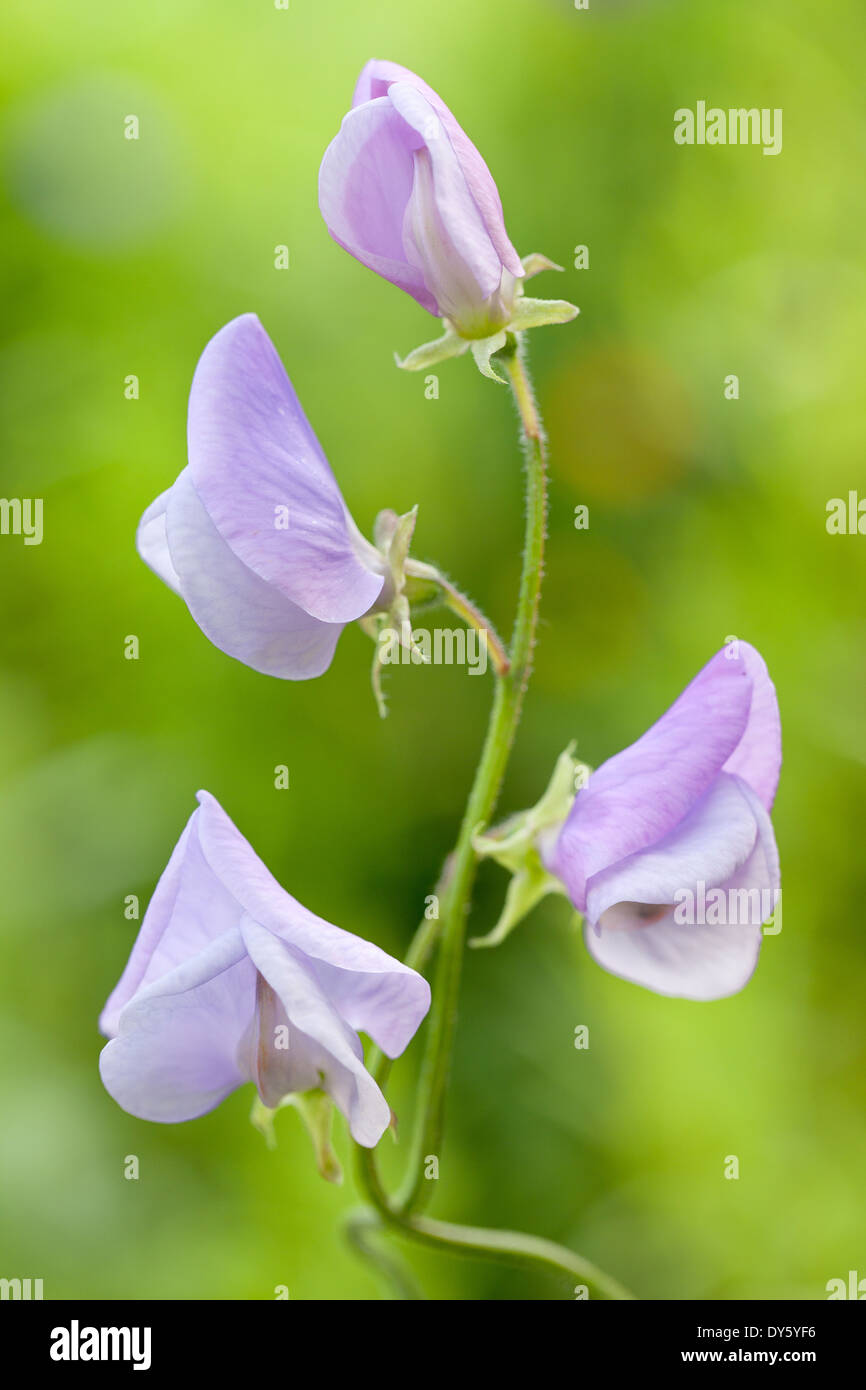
515	845
262	1119
392	534
422	593
527	887
483	349
316	1109
535	313
535	263
397	620
428	354
526	313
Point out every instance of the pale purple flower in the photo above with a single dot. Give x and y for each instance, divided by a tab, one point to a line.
254	535
404	190
232	980
679	816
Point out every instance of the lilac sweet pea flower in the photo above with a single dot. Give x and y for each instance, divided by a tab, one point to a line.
232	980
678	821
404	190
254	534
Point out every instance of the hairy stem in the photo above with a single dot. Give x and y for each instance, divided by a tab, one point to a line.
463	608
504	718
401	1212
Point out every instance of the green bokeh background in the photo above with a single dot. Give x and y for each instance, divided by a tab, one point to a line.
707	519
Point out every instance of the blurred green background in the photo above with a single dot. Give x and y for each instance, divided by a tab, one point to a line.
707	519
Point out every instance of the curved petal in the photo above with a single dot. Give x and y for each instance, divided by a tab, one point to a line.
175	1055
444	231
265	483
726	844
713	841
374	993
375	80
640	795
273	1054
327	1045
189	910
758	756
240	613
225	956
682	962
365	183
371	990
152	543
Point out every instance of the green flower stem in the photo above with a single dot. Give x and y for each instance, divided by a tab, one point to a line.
514	1248
379	1066
454	889
420	950
463	608
359	1226
504	718
505	1247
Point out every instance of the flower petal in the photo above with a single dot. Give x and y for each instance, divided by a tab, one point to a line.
273	1054
640	795
726	843
758	756
713	841
326	1043
375	81
225	956
175	1053
243	615
189	910
372	991
682	962
254	461
444	231
152	542
365	184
